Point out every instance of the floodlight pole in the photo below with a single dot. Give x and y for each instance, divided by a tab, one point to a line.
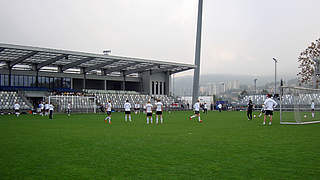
255	85
275	75
196	75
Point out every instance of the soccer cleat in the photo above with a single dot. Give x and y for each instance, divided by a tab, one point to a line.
264	123
270	123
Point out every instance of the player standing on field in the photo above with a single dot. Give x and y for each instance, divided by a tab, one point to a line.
249	110
51	107
136	108
205	108
149	112
16	107
41	106
127	111
69	108
159	111
312	108
108	109
269	105
196	108
46	109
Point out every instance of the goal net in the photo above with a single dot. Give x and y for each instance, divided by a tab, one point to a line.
82	104
296	105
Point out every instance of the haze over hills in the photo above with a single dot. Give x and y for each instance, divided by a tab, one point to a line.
184	83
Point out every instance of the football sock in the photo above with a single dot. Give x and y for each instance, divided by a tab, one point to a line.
161	120
151	120
147	120
129	117
157	120
199	118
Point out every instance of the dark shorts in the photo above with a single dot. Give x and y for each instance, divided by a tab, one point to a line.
312	110
16	110
109	113
136	109
159	113
127	112
196	112
269	112
263	111
149	114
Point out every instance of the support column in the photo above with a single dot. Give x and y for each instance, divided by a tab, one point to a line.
105	84
124	82
71	83
162	90
167	84
9	75
82	70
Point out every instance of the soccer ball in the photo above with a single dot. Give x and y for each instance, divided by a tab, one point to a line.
254	116
305	116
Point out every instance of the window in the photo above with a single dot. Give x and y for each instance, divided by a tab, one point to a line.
6	80
157	87
30	81
20	81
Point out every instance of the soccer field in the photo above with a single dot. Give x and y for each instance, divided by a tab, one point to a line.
225	146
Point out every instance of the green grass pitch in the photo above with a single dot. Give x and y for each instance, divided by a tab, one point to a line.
225	146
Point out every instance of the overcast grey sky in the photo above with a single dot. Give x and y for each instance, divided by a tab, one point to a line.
239	36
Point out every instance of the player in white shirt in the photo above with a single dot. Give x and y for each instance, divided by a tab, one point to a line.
220	107
205	108
269	105
51	108
137	108
16	107
149	112
196	108
46	108
69	108
108	109
41	106
312	108
127	110
159	111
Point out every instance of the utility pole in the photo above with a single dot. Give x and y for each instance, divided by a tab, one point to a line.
275	75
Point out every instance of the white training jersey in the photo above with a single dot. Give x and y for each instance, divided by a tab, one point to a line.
159	106
69	106
220	106
312	105
127	106
16	106
46	106
269	104
41	106
149	108
205	106
196	106
51	107
108	106
137	106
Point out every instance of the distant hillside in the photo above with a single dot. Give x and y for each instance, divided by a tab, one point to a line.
186	82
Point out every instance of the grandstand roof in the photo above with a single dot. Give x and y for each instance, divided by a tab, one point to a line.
44	59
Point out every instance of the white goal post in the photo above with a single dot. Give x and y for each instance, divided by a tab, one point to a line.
82	104
295	105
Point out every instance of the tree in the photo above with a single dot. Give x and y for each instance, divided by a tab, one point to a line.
309	60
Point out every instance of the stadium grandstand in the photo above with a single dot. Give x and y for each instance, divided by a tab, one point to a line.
28	74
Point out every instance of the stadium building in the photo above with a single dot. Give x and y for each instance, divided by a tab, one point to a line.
31	72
